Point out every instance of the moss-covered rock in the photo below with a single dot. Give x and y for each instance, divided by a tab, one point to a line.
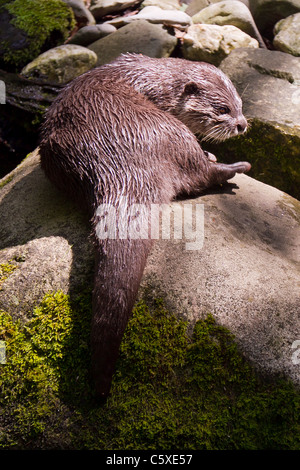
170	390
30	27
61	64
180	382
5	270
21	116
268	82
273	153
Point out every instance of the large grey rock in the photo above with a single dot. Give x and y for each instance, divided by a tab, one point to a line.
154	14
266	13
61	64
140	37
44	236
212	43
89	34
287	35
231	12
269	83
246	274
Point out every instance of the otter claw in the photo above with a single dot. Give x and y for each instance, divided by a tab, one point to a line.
240	167
210	156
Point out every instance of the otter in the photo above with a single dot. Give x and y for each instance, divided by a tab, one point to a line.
129	130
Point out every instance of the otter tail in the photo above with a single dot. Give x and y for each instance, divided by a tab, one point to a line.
118	272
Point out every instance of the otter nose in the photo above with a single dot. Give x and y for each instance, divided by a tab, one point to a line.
242	125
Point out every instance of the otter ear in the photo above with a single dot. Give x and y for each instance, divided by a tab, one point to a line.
191	88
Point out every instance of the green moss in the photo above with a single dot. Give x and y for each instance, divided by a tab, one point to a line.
6	269
272	152
170	390
45	23
5	181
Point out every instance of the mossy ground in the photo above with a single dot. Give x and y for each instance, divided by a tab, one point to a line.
170	390
45	23
5	270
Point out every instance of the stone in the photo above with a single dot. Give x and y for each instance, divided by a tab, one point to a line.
269	84
21	116
29	28
140	36
82	14
155	14
212	43
197	5
89	34
61	64
230	12
246	273
101	8
267	13
47	236
287	37
164	4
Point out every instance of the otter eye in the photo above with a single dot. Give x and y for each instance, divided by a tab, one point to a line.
224	110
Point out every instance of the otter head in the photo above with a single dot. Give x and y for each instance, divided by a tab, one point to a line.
210	105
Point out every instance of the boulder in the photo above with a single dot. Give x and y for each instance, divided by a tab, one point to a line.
197	5
28	28
268	82
212	43
155	14
43	236
20	117
267	13
140	37
246	274
82	14
100	8
61	64
230	12
244	271
287	37
89	34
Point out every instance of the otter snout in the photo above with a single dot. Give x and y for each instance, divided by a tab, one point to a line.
242	125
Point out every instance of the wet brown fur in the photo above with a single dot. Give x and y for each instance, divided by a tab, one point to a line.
121	130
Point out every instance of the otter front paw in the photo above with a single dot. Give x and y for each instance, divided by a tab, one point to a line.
222	172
